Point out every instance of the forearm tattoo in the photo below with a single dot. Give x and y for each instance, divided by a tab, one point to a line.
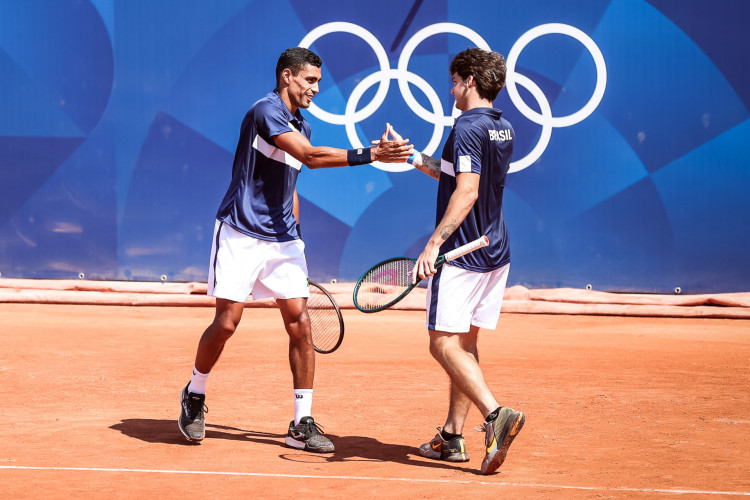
431	166
448	229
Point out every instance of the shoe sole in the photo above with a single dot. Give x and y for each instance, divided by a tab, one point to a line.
436	455
184	433
456	457
499	457
301	445
191	439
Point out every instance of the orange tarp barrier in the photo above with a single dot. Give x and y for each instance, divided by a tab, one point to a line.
518	299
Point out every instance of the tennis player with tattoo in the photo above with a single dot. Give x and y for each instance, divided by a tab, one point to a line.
467	293
256	245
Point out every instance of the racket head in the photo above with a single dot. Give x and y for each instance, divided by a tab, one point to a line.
326	320
384	284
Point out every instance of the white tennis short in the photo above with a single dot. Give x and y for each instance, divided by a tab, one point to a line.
458	299
242	265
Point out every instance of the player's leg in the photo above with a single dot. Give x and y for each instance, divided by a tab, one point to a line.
449	443
230	280
454	446
462	368
226	319
285	278
457	354
469	301
460	403
192	421
452	296
303	433
503	424
301	351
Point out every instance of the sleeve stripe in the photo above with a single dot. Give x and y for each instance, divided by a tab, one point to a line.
275	153
464	163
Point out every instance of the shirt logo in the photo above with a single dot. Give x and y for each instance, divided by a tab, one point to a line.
500	135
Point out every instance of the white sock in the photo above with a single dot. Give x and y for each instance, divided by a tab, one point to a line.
198	382
302	404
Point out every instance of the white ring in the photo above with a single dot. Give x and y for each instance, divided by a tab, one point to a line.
601	74
544	138
403	66
359	90
404	77
380	53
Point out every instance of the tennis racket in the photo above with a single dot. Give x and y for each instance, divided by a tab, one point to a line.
326	321
388	282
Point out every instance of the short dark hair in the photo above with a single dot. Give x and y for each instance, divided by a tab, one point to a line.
487	68
295	59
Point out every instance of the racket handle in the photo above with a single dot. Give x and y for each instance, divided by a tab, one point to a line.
464	249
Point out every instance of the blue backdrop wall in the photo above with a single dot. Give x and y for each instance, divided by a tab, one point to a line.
119	119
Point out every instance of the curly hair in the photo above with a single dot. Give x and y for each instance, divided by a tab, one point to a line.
487	68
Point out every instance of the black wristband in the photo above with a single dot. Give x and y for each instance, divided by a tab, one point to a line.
359	156
299	230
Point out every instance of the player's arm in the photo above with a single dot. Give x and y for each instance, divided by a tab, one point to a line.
459	206
295	206
387	150
425	164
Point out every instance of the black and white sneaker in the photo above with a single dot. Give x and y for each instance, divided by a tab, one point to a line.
192	423
308	436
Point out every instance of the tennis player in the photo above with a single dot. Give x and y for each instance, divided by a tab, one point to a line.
256	245
467	293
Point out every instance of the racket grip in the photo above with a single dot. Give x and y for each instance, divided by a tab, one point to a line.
468	248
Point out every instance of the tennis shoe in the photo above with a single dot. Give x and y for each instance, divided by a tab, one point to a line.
452	450
192	423
499	434
308	436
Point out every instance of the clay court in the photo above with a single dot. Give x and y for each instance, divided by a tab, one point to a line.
617	407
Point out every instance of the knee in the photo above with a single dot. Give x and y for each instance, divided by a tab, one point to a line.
224	328
298	328
436	350
441	346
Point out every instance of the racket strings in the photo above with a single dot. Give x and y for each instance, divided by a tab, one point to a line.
325	321
385	283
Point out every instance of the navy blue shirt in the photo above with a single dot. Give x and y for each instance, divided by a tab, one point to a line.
481	141
260	197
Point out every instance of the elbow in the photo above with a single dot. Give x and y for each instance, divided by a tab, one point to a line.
471	197
311	161
314	160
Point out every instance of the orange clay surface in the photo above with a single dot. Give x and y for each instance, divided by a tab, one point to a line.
616	407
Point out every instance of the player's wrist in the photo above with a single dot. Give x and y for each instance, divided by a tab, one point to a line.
415	157
359	156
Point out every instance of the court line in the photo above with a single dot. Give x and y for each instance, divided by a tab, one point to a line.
401	479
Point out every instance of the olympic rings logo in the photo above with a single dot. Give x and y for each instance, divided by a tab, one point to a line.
436	117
